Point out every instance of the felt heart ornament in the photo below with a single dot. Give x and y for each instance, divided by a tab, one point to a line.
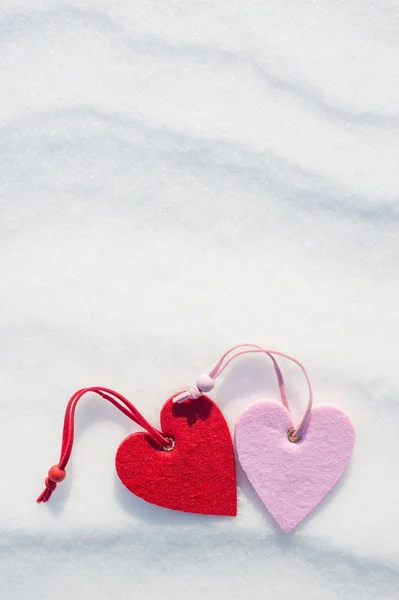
189	465
196	474
292	478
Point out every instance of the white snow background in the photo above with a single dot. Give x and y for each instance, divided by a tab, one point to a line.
177	177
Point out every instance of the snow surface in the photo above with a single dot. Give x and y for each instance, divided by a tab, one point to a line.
177	177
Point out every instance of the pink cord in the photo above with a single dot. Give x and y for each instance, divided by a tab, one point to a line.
206	382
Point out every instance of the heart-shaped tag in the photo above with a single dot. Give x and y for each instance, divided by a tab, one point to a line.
198	475
292	478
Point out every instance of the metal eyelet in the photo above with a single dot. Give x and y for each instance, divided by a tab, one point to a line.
292	437
171	447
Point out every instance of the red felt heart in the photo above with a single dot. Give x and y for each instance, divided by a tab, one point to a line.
198	475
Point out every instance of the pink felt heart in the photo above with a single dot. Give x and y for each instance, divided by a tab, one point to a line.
292	478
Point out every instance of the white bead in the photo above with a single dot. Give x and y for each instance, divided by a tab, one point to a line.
205	383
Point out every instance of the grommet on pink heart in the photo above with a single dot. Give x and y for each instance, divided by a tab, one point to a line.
292	478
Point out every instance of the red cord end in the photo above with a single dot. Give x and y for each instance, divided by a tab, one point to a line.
55	475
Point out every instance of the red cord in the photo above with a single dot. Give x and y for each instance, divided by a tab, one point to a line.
57	473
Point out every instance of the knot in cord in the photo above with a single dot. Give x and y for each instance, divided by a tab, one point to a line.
194	392
205	383
50	485
48	490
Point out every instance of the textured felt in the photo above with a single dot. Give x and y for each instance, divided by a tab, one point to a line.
198	475
292	478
